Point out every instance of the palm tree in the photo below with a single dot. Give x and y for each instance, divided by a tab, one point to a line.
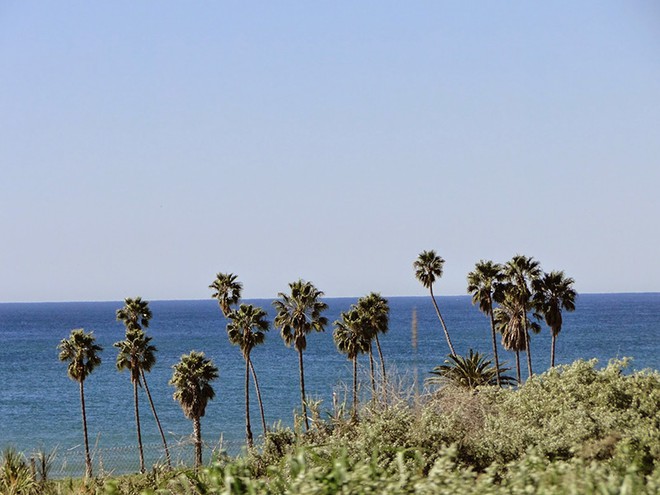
374	311
246	329
351	339
227	291
135	315
298	313
428	267
82	354
469	372
552	293
520	272
192	379
482	284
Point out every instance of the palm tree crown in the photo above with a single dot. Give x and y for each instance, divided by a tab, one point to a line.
81	352
192	379
136	354
135	314
247	327
469	372
350	335
428	267
227	291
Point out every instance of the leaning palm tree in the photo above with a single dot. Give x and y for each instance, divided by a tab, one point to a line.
298	313
483	282
351	339
246	329
135	314
552	293
227	291
520	272
428	267
192	379
82	354
469	372
135	354
374	311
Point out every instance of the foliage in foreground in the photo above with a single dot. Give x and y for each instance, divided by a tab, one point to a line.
574	429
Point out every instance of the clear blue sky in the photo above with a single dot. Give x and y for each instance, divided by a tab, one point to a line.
145	146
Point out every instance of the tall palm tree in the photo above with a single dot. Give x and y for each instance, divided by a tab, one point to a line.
246	329
192	379
428	267
227	291
136	354
375	312
82	354
135	314
351	339
298	313
483	282
552	293
520	272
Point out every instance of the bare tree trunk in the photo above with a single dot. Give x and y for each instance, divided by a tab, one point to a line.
372	373
442	322
492	329
261	404
248	429
197	435
160	428
552	350
529	351
382	361
518	367
355	387
137	424
88	459
302	388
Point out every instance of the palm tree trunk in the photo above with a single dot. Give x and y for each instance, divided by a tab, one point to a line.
137	424
355	387
261	404
160	428
552	350
88	459
492	329
371	371
442	322
248	429
518	367
197	435
302	388
529	351
382	369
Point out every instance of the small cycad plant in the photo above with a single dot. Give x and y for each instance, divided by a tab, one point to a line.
469	372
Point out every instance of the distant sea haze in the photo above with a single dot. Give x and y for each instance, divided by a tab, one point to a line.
39	404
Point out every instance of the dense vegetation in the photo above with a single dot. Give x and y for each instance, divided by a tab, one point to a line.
573	429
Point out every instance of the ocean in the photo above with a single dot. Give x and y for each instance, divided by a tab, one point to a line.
40	408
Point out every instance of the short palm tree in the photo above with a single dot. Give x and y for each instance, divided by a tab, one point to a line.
298	314
227	290
428	267
192	379
520	272
552	293
351	339
469	372
483	282
135	314
375	312
246	329
82	354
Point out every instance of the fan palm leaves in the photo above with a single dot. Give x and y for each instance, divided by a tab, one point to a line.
469	372
227	290
298	314
483	282
553	292
520	273
82	355
375	313
192	379
352	339
135	314
246	329
428	267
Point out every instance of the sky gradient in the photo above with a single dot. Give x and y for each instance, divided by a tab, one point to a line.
145	146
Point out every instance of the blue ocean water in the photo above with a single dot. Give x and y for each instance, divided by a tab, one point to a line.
39	405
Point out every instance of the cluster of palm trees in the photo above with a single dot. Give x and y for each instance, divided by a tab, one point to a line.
515	296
